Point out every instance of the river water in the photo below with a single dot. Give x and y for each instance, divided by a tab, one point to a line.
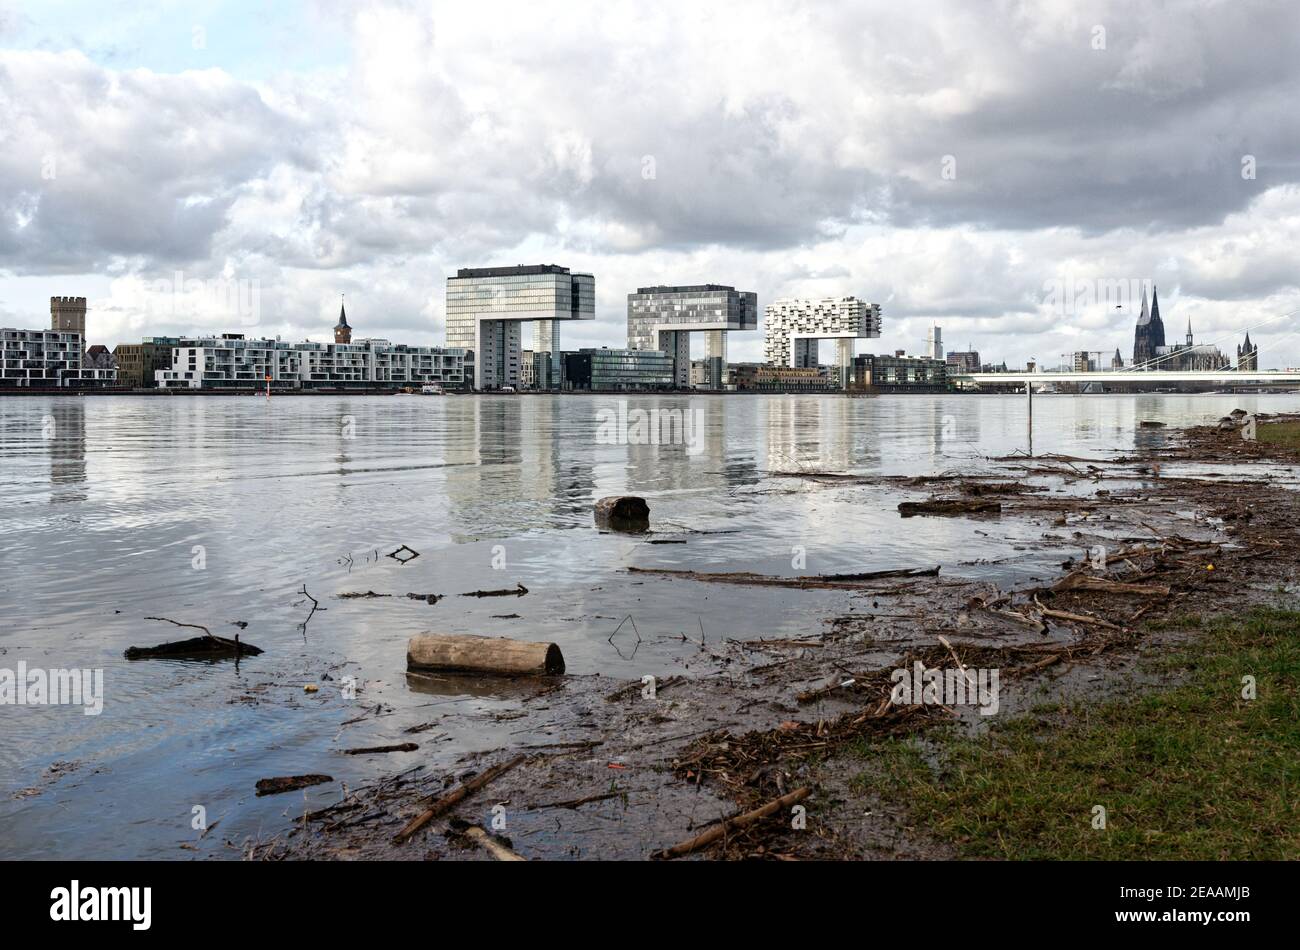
221	510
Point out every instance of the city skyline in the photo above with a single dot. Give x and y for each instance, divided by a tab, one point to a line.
368	153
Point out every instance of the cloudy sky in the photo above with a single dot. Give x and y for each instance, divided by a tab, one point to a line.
997	168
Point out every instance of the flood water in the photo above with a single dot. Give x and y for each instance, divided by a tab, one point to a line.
220	510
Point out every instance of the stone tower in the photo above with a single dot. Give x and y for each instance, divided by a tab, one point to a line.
68	315
342	332
1149	335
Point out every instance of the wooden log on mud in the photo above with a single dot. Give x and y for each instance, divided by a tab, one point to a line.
949	506
492	845
623	513
380	749
497	656
289	783
722	828
1087	582
455	797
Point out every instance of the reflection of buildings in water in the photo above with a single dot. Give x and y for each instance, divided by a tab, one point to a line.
671	440
821	433
346	434
557	462
953	426
837	434
499	431
64	428
506	450
739	460
790	427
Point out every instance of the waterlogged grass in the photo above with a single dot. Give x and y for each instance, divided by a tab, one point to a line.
1279	433
1191	771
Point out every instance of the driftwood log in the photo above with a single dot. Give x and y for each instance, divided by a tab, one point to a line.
623	513
499	656
289	783
378	749
1087	582
723	828
806	582
201	648
455	797
490	844
948	506
208	647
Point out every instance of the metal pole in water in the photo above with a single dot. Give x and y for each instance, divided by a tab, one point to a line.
1029	401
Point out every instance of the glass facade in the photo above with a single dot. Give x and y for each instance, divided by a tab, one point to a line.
486	305
619	370
661	318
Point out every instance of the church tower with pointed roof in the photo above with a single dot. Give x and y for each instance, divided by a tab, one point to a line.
1248	356
1150	333
342	332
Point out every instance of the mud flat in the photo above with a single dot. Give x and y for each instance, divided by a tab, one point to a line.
789	750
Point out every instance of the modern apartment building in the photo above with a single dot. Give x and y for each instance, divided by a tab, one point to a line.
900	373
231	361
792	328
48	359
663	318
138	363
619	370
487	305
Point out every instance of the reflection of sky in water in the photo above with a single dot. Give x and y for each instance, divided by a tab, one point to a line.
98	526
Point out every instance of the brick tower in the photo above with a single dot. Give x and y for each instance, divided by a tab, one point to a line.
342	332
68	315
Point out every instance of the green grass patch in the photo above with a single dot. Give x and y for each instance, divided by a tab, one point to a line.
1188	771
1279	433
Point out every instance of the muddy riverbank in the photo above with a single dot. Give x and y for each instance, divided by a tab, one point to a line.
626	768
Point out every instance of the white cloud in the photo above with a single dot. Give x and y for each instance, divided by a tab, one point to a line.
795	149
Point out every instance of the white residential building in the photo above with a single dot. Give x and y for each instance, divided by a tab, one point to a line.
792	327
48	359
232	361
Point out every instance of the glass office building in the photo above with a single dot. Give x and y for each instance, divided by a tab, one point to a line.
487	305
606	370
663	318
